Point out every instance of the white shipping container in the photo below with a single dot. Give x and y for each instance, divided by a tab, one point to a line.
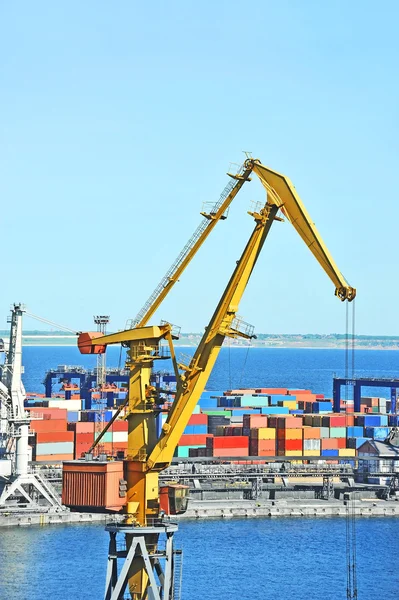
311	444
68	404
119	436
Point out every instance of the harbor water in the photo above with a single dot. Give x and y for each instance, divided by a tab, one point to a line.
223	559
256	559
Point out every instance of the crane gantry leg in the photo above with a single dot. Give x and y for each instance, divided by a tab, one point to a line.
158	561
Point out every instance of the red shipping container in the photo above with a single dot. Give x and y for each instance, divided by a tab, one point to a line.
341	442
54	436
81	449
227	442
198	420
49	425
81	427
334	421
289	444
84	438
195	439
119	425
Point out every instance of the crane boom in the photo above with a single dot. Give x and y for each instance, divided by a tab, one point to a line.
281	194
199	236
281	191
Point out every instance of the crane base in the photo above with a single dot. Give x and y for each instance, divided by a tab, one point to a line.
163	564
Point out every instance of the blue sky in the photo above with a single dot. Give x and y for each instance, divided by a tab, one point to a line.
119	119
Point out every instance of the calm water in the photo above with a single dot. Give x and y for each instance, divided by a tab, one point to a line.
223	560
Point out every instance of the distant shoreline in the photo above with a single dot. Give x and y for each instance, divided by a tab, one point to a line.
332	341
236	347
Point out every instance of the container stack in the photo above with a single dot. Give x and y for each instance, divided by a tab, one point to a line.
261	422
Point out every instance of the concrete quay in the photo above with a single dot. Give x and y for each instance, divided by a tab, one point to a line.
216	509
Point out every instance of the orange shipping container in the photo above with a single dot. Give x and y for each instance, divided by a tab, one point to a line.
289	422
54	436
91	485
262	448
254	421
81	427
272	391
230	452
289	434
49	425
311	433
51	458
329	443
48	413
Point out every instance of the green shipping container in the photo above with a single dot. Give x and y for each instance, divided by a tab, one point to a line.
183	451
107	437
217	413
337	432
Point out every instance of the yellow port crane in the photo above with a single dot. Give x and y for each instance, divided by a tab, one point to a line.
149	454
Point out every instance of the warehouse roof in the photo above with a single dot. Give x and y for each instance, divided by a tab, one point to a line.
380	449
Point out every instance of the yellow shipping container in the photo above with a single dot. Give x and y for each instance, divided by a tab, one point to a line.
293	434
293	453
346	452
291	404
266	433
311	453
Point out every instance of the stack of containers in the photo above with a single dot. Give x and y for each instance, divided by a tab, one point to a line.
263	442
311	437
83	437
119	429
53	442
289	435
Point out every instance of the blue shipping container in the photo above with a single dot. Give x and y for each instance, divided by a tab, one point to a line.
377	433
372	420
320	407
275	410
330	453
354	431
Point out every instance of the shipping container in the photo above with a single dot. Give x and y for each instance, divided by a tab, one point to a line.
91	485
54	448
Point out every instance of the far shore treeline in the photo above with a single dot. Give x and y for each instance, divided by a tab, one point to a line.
262	340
